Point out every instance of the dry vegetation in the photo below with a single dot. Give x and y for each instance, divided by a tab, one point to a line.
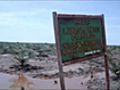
39	61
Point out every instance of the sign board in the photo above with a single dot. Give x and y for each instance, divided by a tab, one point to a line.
80	36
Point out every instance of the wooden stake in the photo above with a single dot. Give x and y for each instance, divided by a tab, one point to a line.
106	57
62	83
107	72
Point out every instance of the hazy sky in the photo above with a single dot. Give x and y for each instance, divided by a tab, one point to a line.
32	21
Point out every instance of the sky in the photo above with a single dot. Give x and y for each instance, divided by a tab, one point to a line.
32	21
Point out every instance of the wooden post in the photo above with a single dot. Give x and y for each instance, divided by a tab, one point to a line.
105	57
61	74
107	72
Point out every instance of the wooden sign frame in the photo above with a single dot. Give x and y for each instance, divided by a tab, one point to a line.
59	55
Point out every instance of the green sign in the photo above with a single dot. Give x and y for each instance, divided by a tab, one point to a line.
80	37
